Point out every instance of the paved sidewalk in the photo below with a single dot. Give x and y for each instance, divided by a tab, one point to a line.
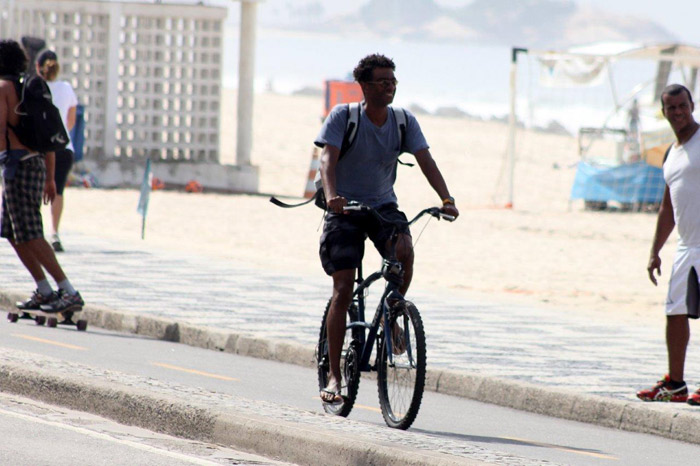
553	351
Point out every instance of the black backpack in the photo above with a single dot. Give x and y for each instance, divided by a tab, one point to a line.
40	126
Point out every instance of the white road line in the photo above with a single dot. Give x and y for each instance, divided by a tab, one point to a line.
109	438
566	449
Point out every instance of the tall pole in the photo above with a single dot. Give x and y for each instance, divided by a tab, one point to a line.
246	81
112	84
512	122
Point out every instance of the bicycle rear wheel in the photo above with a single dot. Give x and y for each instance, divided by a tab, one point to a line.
349	364
401	381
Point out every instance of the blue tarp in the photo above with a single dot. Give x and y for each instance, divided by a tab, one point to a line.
635	182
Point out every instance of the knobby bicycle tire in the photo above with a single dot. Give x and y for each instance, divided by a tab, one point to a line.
349	364
401	383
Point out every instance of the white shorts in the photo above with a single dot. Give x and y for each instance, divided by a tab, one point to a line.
684	287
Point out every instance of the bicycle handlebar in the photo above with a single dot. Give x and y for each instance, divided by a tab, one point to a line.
433	211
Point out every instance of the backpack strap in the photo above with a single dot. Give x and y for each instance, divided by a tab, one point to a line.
351	126
400	118
14	79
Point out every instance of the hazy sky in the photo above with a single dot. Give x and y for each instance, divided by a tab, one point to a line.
682	21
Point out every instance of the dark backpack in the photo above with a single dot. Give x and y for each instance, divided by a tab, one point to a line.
351	126
40	126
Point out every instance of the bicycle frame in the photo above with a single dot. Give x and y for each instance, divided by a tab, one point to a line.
367	340
392	272
396	329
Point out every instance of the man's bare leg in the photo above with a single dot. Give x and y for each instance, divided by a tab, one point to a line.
39	251
677	337
29	261
56	211
335	328
404	253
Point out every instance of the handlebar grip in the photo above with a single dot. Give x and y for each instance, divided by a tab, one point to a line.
352	207
449	218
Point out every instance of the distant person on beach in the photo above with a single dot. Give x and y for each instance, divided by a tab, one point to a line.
28	177
680	206
366	174
633	154
66	101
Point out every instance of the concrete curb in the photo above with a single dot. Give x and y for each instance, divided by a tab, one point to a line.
283	440
656	419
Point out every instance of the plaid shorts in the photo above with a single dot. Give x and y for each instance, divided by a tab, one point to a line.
21	202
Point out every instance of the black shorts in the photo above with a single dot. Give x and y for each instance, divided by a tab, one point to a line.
64	162
343	238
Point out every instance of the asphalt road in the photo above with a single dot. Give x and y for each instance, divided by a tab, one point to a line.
448	419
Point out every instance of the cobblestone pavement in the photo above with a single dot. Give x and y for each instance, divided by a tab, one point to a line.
542	346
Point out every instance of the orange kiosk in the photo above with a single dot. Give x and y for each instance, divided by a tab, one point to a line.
341	92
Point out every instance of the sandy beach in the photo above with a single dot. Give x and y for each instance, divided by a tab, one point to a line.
545	251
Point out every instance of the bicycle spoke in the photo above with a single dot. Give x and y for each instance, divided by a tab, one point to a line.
402	376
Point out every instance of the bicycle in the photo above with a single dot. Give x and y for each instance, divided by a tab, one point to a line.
400	361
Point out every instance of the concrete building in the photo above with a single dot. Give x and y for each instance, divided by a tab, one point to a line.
149	76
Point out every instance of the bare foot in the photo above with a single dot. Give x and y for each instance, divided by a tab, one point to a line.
331	394
398	340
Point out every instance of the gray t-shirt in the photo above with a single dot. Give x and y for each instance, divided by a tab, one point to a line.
367	172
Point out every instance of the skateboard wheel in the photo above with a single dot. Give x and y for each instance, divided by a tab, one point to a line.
12	317
40	320
82	325
52	322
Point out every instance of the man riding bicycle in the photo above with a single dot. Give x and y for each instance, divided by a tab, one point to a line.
366	173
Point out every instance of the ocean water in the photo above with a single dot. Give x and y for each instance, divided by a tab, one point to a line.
473	78
430	74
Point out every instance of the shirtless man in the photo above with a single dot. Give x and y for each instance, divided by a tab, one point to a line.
28	178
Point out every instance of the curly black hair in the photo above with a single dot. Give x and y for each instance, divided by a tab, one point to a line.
363	70
675	89
13	60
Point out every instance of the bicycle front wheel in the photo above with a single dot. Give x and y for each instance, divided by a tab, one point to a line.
349	364
401	379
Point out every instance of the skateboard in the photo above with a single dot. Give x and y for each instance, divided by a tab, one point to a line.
51	319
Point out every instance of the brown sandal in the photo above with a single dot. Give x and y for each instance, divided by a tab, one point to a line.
337	398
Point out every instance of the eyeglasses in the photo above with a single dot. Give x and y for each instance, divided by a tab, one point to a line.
386	82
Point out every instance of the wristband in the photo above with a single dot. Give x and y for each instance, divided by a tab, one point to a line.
448	200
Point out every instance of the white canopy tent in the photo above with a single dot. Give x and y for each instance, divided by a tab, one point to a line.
591	64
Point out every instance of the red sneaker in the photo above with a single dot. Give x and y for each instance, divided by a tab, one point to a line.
662	391
694	399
